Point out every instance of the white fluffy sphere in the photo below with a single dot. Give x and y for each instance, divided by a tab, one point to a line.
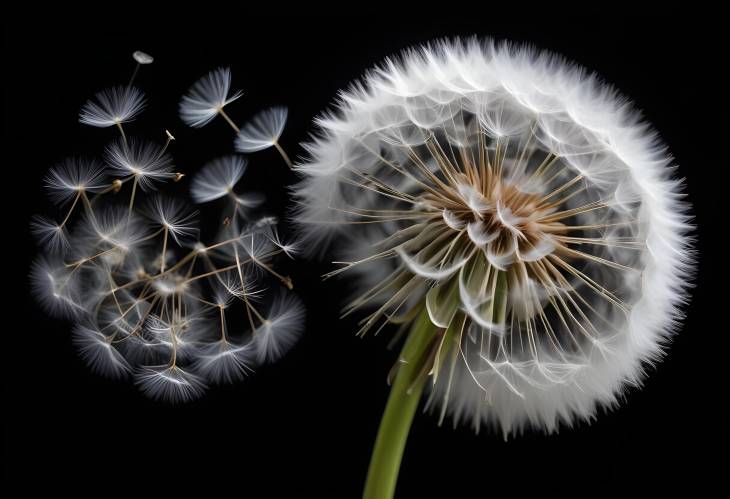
520	196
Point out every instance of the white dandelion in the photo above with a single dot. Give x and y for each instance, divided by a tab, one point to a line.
217	178
527	225
145	294
207	97
112	107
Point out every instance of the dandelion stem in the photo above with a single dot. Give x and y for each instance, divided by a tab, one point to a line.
229	120
164	251
399	411
134	75
73	205
121	130
284	155
131	199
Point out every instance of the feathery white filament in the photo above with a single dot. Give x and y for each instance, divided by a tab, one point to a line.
144	160
207	97
263	130
67	179
217	178
112	107
281	330
142	57
174	216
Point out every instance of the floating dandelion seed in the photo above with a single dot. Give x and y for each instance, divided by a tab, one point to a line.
207	98
263	131
217	178
147	298
517	215
68	179
112	107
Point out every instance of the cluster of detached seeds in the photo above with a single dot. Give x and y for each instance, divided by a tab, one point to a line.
126	266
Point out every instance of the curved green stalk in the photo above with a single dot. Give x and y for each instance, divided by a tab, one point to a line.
399	411
406	393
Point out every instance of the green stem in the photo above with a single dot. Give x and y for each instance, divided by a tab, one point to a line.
399	412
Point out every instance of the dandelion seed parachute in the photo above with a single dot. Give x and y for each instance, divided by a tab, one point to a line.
112	107
73	176
263	131
142	57
207	98
145	160
226	362
174	216
284	325
50	234
169	384
217	178
98	352
525	205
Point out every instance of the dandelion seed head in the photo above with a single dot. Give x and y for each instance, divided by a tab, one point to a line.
524	206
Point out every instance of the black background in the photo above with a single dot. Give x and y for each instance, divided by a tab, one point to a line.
305	426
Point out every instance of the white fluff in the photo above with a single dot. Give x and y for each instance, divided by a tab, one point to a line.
170	384
142	57
173	214
217	178
263	130
73	176
453	91
207	97
112	106
142	159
